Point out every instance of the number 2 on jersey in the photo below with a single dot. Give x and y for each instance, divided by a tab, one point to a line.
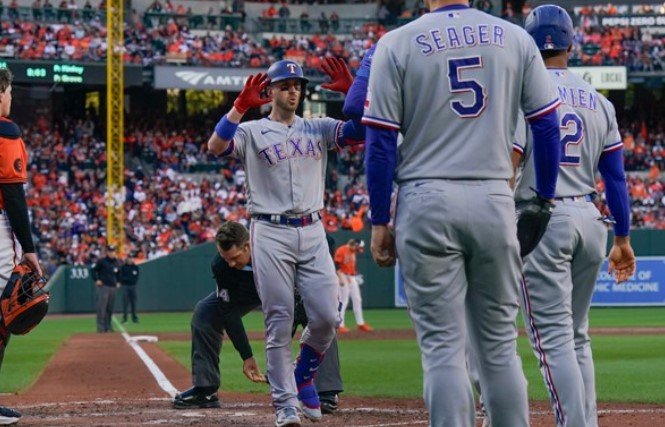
459	85
572	131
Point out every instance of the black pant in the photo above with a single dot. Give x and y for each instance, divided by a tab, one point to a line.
207	329
129	301
105	301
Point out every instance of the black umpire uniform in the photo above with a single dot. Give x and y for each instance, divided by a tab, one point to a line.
107	271
129	276
222	311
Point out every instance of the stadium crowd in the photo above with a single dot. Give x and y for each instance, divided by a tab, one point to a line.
81	36
168	209
165	210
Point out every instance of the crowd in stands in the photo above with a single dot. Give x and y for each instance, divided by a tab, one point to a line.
636	48
165	210
80	35
647	197
168	209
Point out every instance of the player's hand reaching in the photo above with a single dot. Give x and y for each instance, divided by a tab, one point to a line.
383	246
251	370
251	95
30	259
339	73
621	259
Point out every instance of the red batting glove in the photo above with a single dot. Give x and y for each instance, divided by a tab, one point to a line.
339	73
250	97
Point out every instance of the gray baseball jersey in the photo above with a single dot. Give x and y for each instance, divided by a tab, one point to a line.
285	165
452	83
560	274
431	77
588	128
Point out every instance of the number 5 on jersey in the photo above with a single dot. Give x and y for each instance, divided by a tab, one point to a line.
457	84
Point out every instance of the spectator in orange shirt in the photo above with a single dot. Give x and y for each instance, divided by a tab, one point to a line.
345	261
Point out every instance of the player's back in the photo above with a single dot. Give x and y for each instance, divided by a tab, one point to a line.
588	128
462	74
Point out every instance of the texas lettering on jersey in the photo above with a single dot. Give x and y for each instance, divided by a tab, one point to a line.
285	165
292	149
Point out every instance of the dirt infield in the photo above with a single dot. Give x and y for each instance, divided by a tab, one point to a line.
98	380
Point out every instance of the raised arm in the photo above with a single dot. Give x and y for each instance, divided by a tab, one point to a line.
250	97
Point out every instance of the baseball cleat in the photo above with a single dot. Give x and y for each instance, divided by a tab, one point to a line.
309	401
329	402
8	416
195	397
287	417
343	330
365	328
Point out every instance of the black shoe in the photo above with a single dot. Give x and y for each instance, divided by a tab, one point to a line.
329	402
8	416
196	397
135	320
124	320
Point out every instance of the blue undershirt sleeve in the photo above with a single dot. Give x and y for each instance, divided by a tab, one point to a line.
546	152
380	164
611	169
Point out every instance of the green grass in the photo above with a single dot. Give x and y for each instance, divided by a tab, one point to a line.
399	319
27	355
628	368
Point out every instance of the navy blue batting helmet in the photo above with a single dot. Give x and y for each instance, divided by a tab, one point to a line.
285	69
551	27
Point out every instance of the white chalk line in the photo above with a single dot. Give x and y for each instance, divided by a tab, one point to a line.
161	379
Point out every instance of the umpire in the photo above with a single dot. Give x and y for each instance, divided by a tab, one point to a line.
106	273
223	310
129	276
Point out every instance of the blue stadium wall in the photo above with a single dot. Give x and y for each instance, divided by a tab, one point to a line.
176	282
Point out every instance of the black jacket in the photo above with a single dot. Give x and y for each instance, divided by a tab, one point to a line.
129	274
107	270
237	296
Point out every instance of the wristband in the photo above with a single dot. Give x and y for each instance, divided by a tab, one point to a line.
226	129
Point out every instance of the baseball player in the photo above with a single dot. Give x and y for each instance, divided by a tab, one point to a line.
560	274
285	158
345	260
223	310
452	83
15	238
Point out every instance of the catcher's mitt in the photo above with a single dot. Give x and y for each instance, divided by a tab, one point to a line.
24	302
532	223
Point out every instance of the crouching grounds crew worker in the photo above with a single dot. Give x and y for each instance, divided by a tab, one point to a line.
223	310
106	273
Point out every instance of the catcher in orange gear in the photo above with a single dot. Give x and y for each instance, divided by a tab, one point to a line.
15	238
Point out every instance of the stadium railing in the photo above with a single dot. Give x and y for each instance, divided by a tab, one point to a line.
194	21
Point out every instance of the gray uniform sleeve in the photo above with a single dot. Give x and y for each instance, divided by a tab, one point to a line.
539	96
613	140
331	131
383	106
240	140
520	139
